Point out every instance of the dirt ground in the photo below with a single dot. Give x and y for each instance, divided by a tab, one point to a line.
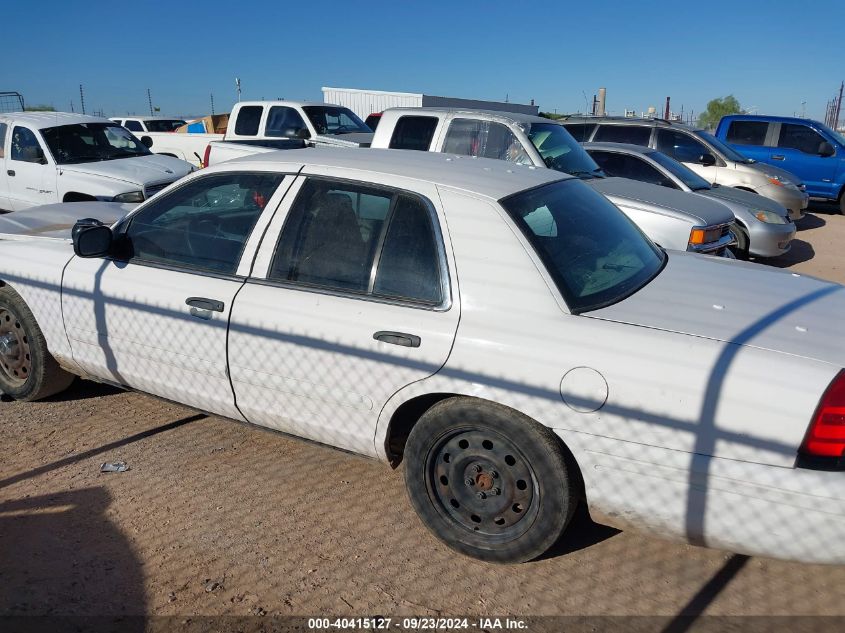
220	518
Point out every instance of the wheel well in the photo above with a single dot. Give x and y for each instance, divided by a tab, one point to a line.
74	196
410	412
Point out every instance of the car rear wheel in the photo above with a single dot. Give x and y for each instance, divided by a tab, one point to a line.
489	482
27	370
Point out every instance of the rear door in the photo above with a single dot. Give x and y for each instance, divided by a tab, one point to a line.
30	170
5	202
797	151
354	302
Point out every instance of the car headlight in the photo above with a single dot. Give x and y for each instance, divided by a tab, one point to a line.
704	235
769	217
132	196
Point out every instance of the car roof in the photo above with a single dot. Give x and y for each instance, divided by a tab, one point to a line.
42	120
144	117
300	104
485	177
772	118
650	122
498	114
620	147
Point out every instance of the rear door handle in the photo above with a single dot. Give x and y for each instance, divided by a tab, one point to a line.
777	156
398	338
205	304
10	172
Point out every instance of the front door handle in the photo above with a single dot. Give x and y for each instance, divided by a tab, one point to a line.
398	338
777	156
205	304
10	172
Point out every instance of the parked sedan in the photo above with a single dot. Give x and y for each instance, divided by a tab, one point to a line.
762	226
317	292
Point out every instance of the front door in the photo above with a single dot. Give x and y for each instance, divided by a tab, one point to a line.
31	173
155	317
797	152
355	304
5	202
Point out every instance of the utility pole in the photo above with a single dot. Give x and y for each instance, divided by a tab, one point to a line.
238	86
212	104
803	109
82	98
838	106
71	106
150	101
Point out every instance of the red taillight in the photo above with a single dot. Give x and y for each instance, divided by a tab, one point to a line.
206	155
826	437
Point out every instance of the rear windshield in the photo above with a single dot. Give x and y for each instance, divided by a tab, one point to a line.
163	125
594	253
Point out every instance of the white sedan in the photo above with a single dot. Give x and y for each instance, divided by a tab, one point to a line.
505	331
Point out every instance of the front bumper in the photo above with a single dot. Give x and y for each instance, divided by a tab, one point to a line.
770	240
792	198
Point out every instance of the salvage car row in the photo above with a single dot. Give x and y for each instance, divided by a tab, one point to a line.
515	338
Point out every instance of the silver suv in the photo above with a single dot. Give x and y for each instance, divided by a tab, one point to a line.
702	152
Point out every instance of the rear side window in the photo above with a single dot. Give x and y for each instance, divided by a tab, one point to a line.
337	233
249	118
284	121
633	134
580	131
413	132
627	166
747	132
800	137
485	139
680	146
133	126
3	128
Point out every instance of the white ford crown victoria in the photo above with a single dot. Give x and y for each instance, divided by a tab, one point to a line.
506	331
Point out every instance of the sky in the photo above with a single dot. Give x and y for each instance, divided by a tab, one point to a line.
772	55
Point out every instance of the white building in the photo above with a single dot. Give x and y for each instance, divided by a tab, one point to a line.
366	102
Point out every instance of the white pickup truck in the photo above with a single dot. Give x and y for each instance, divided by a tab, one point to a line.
50	157
256	126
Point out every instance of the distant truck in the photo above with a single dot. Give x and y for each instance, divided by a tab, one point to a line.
149	123
49	157
261	125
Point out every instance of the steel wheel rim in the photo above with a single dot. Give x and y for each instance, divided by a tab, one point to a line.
15	353
482	483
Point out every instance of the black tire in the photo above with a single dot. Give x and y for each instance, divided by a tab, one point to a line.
842	202
27	370
740	249
463	448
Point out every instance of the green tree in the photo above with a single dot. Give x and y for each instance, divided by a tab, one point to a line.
40	108
716	109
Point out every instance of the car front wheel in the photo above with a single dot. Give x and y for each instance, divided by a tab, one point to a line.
489	482
27	370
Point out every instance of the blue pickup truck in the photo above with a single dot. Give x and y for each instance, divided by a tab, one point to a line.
809	149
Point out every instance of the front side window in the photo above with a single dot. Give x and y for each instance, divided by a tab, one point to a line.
203	225
680	171
593	252
484	139
3	128
748	132
248	121
633	134
336	233
285	122
334	120
25	147
680	146
801	137
561	152
133	126
627	166
413	132
90	142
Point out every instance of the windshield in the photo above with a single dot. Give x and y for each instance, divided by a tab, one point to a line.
88	142
594	253
680	171
163	125
727	151
334	120
836	135
561	152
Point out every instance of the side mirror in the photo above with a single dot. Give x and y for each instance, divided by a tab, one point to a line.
303	133
707	160
826	149
91	238
146	141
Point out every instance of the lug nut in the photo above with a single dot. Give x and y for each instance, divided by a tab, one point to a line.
468	481
495	492
494	474
481	495
477	468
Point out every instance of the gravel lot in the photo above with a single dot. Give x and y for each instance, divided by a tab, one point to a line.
221	518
